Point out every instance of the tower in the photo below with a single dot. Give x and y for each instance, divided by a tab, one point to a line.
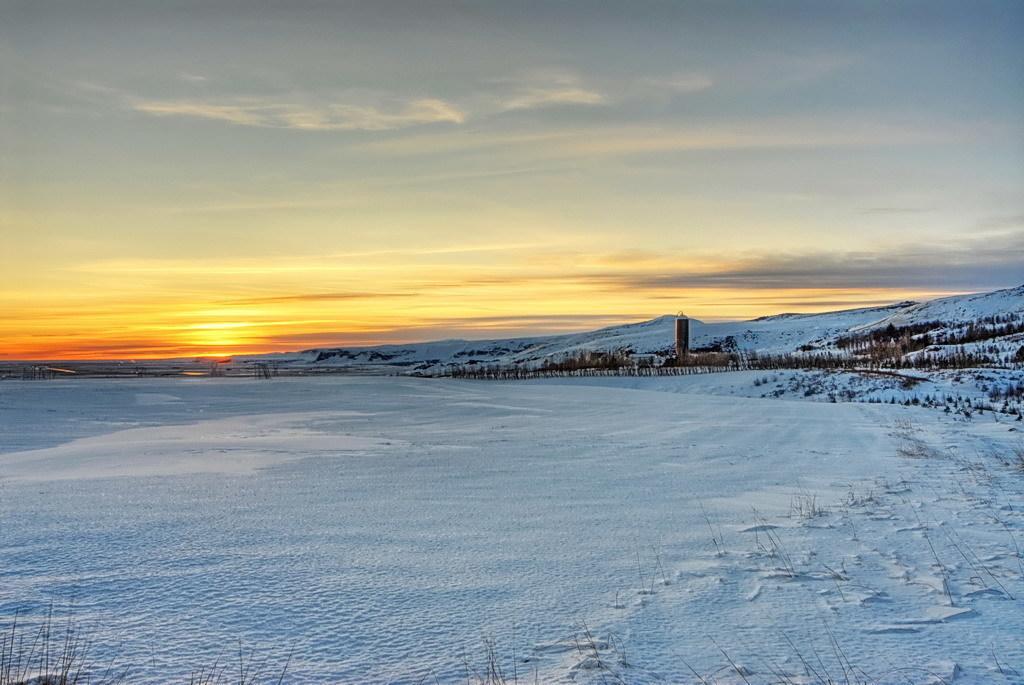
682	336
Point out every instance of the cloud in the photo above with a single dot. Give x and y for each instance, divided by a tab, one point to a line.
546	97
319	297
328	117
776	133
244	115
981	263
113	347
391	259
542	88
791	133
471	327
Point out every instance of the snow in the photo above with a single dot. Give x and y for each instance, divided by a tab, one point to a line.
960	308
597	530
230	445
963	387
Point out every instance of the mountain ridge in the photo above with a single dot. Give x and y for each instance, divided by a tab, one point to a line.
776	334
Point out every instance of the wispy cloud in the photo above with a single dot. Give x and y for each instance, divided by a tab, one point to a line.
544	88
795	132
546	97
472	327
397	259
357	110
319	297
327	117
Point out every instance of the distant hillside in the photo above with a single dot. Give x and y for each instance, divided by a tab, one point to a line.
990	323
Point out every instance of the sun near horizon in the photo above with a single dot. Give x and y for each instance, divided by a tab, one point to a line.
216	182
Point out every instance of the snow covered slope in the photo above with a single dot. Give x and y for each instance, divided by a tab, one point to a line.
961	308
379	529
783	333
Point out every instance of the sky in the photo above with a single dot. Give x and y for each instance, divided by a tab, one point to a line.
217	178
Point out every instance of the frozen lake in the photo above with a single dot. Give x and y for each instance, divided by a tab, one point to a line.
380	528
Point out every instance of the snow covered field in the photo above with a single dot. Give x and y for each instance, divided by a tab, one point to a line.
634	530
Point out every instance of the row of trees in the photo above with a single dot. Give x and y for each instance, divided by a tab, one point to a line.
623	362
893	342
510	373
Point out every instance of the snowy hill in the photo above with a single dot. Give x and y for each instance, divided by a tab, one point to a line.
971	320
961	308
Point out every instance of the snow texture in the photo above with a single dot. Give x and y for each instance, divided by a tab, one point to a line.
595	530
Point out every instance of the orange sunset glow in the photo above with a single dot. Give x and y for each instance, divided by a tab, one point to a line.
231	310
